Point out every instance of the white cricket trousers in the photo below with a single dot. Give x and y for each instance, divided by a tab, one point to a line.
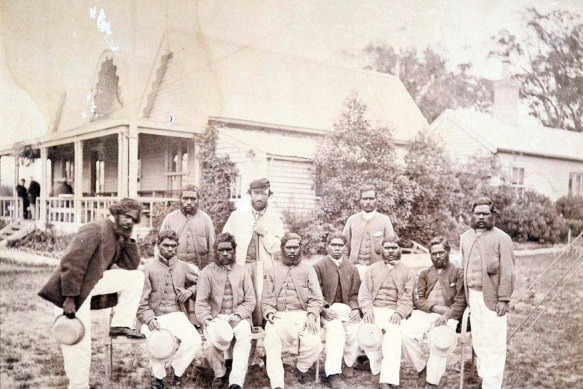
341	341
241	348
287	328
489	340
190	343
387	359
417	325
128	284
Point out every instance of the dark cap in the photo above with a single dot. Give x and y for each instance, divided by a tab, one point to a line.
260	183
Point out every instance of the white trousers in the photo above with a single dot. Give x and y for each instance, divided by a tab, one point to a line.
241	348
341	341
361	270
489	340
288	327
190	343
417	325
387	359
129	285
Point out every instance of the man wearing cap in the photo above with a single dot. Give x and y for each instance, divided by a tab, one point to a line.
225	295
169	284
488	263
87	269
292	302
258	230
365	230
340	282
195	229
440	300
386	299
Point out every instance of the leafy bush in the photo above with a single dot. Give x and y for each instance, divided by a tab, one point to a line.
46	242
311	228
570	207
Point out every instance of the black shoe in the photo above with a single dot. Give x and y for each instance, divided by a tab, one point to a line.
176	382
302	377
235	386
156	383
125	331
429	386
219	382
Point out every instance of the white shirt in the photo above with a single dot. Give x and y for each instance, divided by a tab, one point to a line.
368	215
337	262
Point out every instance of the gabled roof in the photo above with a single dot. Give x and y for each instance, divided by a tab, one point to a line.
212	78
498	136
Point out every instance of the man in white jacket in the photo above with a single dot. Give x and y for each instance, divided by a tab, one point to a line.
258	231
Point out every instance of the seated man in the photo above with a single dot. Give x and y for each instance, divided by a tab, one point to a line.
169	284
386	299
340	282
437	303
225	293
86	270
291	303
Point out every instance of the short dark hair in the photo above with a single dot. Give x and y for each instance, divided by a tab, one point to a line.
335	235
483	201
440	240
367	188
391	238
125	205
289	236
189	188
222	238
166	234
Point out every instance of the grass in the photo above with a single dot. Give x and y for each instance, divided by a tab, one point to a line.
546	354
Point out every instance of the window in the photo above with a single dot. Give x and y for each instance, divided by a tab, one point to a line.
517	180
575	184
177	165
235	187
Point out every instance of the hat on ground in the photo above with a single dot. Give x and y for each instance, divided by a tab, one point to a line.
68	331
161	344
442	340
220	334
370	336
260	183
342	310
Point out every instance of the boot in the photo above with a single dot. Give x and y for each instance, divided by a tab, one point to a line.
156	383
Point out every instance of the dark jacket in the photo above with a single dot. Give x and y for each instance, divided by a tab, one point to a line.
452	283
328	272
92	250
34	190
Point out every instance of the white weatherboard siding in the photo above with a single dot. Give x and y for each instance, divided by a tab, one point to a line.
152	162
293	184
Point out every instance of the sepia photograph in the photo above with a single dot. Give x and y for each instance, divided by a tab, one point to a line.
288	194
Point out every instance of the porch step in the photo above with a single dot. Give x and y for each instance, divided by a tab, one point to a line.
15	231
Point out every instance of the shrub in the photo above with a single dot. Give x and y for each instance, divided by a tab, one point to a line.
570	207
311	228
46	242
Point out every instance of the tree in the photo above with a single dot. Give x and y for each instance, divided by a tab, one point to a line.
428	80
352	154
550	66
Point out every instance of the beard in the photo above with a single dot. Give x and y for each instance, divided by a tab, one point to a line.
291	261
484	225
123	232
188	210
258	205
392	259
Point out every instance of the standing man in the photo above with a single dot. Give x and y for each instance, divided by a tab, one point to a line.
225	294
258	230
195	229
365	230
86	270
386	299
292	302
33	193
340	283
488	263
21	192
440	300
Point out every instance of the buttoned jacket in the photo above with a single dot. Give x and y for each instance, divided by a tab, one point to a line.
161	279
328	272
379	227
93	250
452	283
375	277
211	291
497	263
305	283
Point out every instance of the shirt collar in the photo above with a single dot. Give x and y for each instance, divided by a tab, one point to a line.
389	266
170	262
368	215
337	262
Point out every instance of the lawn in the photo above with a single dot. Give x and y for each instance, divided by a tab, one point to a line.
546	354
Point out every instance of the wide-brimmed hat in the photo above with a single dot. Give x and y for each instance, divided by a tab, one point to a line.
442	340
68	331
161	344
342	310
220	334
370	336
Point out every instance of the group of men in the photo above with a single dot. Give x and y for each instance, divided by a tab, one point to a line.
28	197
253	274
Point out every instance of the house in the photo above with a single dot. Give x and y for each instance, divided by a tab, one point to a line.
533	157
137	133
